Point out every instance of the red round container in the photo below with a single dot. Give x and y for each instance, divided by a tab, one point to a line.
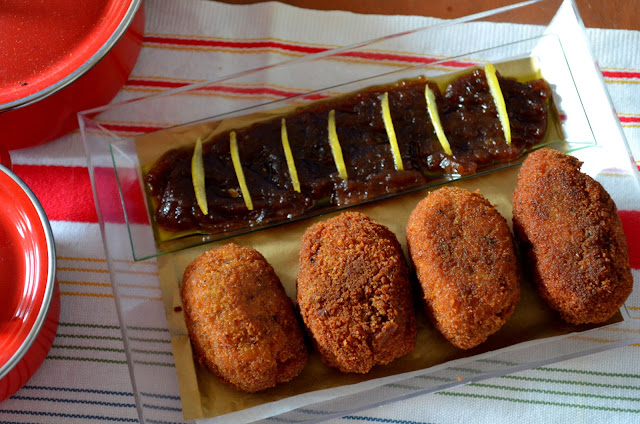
30	301
59	57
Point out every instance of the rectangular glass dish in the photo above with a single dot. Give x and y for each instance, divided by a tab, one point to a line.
145	273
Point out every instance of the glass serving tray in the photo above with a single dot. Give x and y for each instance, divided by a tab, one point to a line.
145	274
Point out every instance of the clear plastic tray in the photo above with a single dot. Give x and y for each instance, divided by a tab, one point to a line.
590	130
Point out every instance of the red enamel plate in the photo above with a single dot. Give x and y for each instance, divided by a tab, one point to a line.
58	57
29	302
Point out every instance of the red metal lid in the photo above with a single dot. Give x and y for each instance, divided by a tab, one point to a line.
27	267
44	42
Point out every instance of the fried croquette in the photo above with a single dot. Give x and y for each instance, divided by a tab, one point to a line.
465	260
569	228
241	323
354	293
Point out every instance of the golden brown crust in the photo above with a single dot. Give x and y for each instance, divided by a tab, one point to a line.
354	293
465	260
570	230
241	323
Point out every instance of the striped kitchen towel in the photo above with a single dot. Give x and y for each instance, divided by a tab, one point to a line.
86	377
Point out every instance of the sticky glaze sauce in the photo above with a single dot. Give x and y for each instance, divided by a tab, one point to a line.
467	112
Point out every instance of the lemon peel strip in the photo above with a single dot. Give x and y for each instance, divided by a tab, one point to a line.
235	158
197	177
435	119
289	156
391	133
498	99
336	150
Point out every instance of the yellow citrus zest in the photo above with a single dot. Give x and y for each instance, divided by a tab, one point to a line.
336	150
498	99
391	133
432	107
289	156
197	176
235	158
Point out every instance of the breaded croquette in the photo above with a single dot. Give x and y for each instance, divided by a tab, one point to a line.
241	323
465	260
570	230
354	293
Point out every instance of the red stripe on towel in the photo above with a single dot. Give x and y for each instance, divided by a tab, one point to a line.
297	48
64	191
263	90
621	74
66	195
631	226
228	44
629	119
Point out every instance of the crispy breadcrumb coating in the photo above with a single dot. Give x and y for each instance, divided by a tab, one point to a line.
569	228
464	256
354	293
241	323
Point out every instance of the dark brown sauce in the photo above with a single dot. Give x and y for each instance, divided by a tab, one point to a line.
467	112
